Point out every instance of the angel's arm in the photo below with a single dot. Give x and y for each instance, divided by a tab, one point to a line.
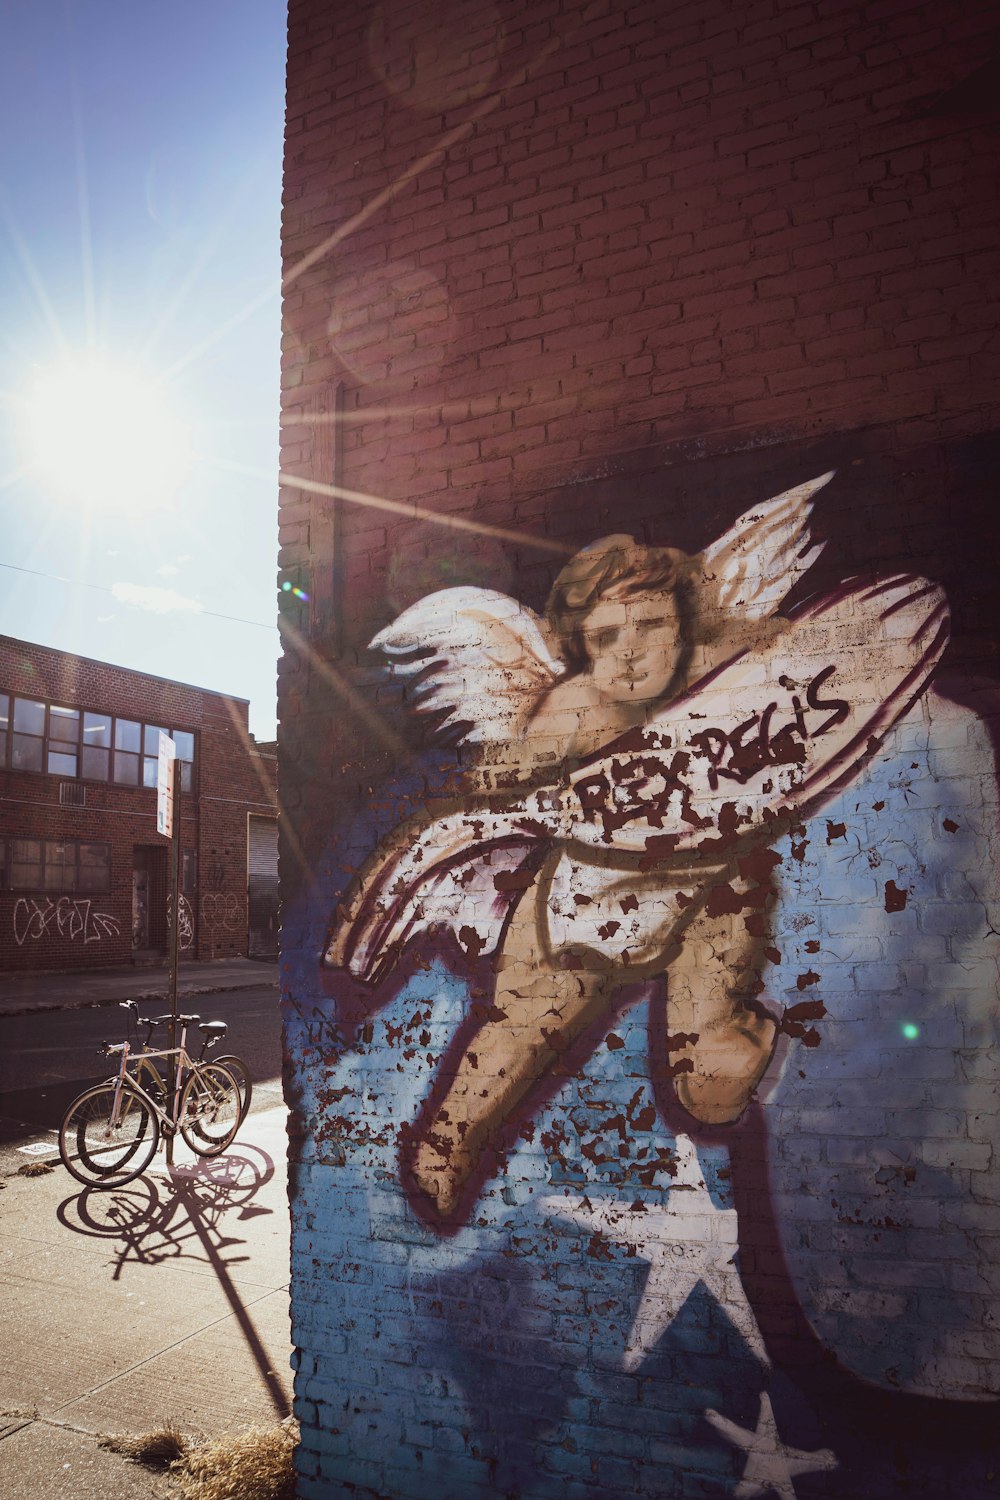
474	849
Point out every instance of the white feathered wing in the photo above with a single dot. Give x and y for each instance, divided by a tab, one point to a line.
747	573
476	657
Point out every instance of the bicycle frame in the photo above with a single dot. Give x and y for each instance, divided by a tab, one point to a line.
184	1065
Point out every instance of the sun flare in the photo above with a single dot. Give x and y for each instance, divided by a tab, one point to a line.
104	435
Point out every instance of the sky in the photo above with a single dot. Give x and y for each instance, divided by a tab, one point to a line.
140	199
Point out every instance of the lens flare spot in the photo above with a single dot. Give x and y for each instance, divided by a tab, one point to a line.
910	1031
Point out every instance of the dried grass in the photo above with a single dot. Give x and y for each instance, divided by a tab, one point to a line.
251	1465
157	1449
35	1168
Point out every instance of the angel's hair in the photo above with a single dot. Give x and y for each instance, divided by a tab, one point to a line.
614	565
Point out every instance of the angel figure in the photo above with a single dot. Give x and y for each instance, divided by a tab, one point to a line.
637	751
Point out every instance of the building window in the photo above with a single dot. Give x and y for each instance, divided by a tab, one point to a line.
26	864
128	743
189	871
95	748
39	736
28	738
93	868
184	741
64	741
56	866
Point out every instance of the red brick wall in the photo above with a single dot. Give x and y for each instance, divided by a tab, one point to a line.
595	229
230	780
554	271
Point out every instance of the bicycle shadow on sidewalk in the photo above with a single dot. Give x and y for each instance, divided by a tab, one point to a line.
186	1212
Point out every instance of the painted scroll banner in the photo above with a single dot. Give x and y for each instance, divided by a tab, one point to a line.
752	749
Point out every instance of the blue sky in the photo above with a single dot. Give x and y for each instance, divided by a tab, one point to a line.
140	183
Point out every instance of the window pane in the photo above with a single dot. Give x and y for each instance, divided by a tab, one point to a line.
128	735
185	766
25	864
94	868
95	763
62	762
151	738
29	716
97	730
4	711
126	768
3	748
64	724
150	767
26	752
185	744
60	866
189	871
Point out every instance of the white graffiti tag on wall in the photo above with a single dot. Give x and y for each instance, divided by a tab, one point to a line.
185	930
223	910
69	918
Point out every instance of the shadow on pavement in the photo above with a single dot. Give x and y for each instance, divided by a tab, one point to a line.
187	1212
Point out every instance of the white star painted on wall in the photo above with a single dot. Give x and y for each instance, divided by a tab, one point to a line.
687	1241
771	1464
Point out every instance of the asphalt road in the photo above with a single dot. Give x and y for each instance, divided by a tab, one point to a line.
46	1059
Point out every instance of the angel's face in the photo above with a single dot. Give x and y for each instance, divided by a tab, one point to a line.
633	641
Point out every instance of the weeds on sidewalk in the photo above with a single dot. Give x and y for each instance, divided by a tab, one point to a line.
251	1465
34	1169
157	1449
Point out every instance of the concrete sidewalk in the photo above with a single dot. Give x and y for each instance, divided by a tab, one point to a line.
164	1300
22	994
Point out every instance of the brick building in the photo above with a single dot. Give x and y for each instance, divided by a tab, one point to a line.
641	999
83	871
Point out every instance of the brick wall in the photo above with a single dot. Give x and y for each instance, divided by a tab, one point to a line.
230	780
553	273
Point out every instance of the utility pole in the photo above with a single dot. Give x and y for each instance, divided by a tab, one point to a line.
175	928
168	822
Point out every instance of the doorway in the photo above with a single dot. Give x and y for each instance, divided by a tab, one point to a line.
149	901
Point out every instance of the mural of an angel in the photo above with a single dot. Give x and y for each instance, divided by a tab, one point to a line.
635	752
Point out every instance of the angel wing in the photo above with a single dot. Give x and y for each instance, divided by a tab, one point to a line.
476	657
747	572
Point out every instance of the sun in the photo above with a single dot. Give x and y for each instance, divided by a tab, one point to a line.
102	434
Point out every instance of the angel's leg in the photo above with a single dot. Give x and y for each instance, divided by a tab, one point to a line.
544	1009
720	1029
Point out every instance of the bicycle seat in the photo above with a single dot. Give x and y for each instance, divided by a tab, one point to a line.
213	1028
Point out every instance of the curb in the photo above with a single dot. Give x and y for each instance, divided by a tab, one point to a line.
34	1007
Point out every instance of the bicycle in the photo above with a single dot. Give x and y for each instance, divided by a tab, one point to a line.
152	1080
111	1132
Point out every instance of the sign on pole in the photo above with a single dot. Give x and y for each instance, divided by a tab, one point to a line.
166	769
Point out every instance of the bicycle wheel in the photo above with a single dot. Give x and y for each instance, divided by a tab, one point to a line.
210	1109
241	1073
104	1153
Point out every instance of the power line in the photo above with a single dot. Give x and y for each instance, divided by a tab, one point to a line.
103	588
